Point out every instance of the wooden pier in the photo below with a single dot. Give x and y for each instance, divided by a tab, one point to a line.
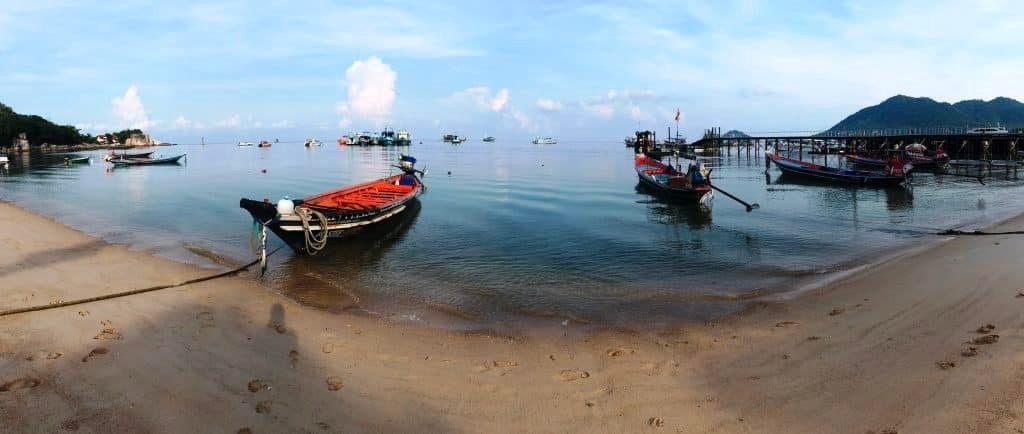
958	144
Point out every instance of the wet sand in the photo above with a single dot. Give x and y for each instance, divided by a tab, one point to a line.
904	347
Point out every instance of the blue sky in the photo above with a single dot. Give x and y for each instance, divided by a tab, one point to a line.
232	70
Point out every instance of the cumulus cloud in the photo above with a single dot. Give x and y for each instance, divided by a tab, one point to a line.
499	100
370	85
639	115
129	110
602	110
233	121
548	105
483	99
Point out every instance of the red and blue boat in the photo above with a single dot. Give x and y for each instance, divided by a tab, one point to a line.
894	173
694	185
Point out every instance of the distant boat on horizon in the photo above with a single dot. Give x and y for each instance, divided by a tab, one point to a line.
309	143
544	141
489	139
245	144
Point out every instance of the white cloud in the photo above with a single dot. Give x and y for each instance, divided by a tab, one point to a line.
518	117
233	121
548	105
182	122
499	100
639	115
129	110
601	110
481	98
370	86
282	124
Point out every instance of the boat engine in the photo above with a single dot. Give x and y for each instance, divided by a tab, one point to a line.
407	163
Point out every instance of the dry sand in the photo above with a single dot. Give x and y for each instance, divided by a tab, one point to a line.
885	350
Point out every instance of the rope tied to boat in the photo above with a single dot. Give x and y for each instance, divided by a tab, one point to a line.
315	241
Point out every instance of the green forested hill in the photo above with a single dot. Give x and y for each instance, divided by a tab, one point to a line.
37	129
906	112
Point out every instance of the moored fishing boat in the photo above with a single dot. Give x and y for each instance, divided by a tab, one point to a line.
147	161
544	141
365	139
79	160
489	139
694	185
309	143
456	140
244	143
307	224
115	156
264	144
387	137
895	172
403	138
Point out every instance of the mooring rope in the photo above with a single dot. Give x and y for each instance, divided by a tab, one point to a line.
314	242
133	291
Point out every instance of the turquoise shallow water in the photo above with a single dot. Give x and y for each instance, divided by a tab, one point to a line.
516	229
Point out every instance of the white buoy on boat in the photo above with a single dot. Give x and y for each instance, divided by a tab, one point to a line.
285	206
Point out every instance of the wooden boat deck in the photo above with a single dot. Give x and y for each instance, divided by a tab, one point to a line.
366	196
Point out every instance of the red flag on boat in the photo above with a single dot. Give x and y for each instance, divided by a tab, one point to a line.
677	115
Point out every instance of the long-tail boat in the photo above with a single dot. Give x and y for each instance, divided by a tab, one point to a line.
306	224
895	172
123	156
147	161
668	181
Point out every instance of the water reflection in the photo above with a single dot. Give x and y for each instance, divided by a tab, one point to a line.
334	277
672	213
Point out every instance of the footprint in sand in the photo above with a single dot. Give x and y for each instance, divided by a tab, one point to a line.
945	364
334	384
18	384
83	313
293	355
619	352
257	385
836	311
573	375
969	352
786	324
985	328
47	356
656	422
205	319
328	348
95	352
263	406
244	431
108	334
986	340
278	327
106	322
500	366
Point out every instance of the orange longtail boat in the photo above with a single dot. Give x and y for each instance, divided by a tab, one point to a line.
306	224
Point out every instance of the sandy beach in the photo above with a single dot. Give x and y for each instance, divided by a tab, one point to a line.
894	349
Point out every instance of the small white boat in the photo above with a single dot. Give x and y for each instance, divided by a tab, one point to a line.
544	141
311	142
245	144
988	130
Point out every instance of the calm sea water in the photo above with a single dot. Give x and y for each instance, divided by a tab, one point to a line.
509	229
